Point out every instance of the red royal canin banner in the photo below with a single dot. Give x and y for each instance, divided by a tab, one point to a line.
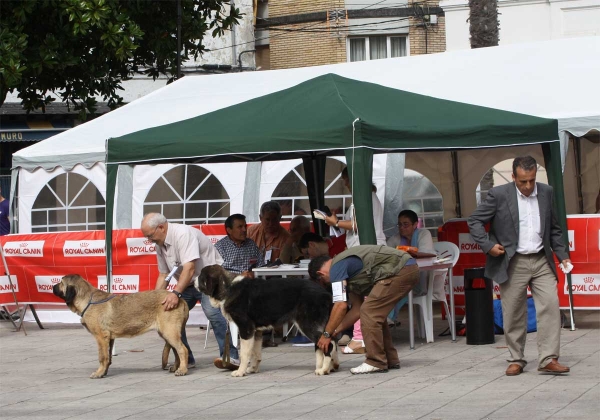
584	249
37	262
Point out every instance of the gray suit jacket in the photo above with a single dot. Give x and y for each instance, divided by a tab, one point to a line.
501	209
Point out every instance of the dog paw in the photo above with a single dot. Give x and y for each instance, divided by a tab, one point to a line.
180	372
321	372
97	375
238	373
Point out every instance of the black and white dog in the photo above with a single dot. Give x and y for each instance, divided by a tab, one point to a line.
259	304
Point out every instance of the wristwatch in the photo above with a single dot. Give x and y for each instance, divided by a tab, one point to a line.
326	334
177	293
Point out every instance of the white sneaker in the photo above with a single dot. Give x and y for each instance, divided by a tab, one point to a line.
365	368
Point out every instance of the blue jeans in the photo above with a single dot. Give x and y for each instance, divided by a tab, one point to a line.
217	321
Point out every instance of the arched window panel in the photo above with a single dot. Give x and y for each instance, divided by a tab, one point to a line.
292	193
188	194
68	202
500	174
420	195
161	191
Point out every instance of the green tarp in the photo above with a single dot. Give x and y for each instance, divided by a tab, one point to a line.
317	115
330	115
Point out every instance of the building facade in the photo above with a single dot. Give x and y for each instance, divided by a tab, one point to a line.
310	33
526	20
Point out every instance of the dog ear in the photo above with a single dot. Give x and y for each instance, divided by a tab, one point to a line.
70	294
205	281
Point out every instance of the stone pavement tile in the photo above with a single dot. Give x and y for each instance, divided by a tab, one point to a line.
50	413
437	380
296	405
586	407
545	400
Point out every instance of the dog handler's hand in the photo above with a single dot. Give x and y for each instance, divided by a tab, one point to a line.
171	301
324	344
496	251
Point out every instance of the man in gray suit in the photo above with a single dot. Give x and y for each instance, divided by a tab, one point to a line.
523	234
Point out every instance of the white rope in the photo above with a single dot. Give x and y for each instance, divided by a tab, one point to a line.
353	215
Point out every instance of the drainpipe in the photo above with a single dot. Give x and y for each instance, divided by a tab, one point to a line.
233	52
240	58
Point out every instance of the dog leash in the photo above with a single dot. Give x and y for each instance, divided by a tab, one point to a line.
95	303
226	359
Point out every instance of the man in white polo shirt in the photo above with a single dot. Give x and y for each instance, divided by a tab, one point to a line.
190	250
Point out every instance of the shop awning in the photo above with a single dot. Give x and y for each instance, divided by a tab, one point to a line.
30	131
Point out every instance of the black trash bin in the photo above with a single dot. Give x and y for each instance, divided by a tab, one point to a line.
479	307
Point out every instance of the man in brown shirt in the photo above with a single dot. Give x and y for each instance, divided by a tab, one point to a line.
269	235
291	253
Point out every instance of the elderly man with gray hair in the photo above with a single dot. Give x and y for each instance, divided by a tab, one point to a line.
269	235
189	250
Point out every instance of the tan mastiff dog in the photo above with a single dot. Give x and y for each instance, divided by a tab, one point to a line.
107	316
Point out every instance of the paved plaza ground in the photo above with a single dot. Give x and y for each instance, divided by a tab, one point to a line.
44	375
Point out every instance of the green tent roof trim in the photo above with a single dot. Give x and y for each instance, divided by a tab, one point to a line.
319	115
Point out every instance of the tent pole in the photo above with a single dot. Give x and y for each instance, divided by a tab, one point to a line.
111	182
314	171
360	170
555	179
458	208
577	155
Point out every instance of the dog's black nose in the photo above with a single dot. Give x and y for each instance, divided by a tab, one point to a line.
55	290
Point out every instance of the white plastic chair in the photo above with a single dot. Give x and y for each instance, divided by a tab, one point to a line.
436	291
207	333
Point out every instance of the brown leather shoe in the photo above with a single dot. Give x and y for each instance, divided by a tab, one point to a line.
554	367
514	369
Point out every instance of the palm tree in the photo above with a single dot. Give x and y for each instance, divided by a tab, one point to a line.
484	28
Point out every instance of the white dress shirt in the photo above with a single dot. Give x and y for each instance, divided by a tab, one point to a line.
352	234
530	233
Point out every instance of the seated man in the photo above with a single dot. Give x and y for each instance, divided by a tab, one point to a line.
312	245
291	252
379	273
239	253
269	235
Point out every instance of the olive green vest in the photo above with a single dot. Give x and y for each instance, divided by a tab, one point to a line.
379	262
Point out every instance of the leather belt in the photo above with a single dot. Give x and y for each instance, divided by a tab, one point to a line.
535	253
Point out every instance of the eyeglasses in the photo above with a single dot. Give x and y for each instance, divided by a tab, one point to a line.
151	237
405	224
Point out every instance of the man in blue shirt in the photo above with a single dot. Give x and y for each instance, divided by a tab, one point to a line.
366	281
4	222
239	252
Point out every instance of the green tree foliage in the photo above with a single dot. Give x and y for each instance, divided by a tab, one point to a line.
82	49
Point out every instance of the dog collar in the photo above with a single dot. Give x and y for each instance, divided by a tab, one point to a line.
95	303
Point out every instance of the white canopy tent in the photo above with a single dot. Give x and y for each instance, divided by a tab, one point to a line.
553	79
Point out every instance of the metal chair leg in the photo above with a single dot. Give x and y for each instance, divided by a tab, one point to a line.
207	332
